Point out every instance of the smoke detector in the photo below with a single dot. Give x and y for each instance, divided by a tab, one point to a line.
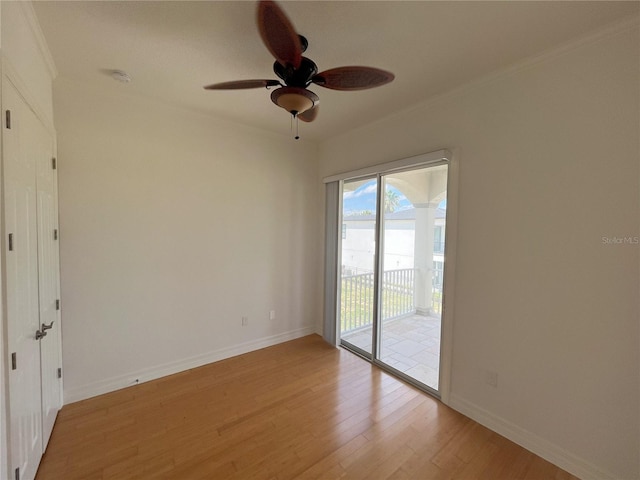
120	76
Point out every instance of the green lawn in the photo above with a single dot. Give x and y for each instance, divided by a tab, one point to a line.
356	308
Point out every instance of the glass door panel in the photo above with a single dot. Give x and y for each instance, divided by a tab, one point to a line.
358	252
411	271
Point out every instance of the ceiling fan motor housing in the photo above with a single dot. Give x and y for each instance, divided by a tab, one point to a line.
296	77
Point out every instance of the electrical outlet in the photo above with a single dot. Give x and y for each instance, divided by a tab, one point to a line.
245	321
491	378
272	315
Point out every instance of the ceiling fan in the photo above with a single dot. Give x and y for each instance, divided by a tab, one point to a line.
298	72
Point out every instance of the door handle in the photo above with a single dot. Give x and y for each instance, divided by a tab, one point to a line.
40	334
46	327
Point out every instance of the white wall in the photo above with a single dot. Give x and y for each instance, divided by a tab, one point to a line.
549	164
173	227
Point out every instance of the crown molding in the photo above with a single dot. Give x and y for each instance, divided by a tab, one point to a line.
560	50
608	31
10	73
32	19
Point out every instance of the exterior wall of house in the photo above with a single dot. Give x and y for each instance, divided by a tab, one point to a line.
174	227
399	243
358	245
548	157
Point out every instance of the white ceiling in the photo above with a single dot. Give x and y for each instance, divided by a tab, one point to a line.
172	49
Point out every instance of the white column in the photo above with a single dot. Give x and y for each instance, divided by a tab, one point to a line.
423	257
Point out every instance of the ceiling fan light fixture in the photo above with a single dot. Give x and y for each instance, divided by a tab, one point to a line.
294	100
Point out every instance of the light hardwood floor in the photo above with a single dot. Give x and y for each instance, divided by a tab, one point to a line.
301	409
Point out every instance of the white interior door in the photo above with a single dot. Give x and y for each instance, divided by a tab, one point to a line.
48	282
21	263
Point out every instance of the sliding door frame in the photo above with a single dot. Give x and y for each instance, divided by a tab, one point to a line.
432	159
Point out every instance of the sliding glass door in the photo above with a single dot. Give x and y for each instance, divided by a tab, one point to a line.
410	273
358	262
392	269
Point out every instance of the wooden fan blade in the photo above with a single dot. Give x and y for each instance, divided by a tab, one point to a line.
278	34
310	115
240	84
352	78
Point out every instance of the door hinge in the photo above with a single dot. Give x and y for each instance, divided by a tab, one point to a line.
14	361
57	304
8	119
18	473
11	242
60	373
55	233
54	164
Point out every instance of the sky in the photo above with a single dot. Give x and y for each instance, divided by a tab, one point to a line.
364	198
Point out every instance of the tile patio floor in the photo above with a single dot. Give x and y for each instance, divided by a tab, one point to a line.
410	344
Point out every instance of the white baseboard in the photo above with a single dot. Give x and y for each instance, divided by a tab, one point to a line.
116	383
543	448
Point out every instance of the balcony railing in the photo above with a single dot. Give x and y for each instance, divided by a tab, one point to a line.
398	287
356	309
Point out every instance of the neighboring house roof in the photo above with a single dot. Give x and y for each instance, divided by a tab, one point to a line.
406	214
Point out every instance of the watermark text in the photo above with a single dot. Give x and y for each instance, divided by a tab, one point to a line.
621	240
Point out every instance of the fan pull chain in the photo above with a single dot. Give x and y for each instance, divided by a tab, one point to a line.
294	115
